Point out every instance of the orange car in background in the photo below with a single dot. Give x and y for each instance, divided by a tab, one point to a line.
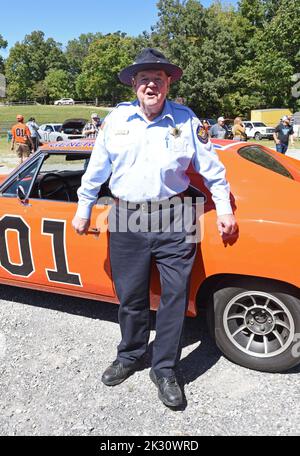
249	283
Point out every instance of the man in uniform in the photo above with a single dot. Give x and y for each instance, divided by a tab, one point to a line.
22	138
146	146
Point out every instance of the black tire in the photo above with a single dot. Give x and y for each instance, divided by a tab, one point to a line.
59	138
230	312
257	136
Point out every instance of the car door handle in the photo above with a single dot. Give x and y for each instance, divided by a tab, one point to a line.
94	231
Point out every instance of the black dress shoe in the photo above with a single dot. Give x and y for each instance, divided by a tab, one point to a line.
169	391
116	373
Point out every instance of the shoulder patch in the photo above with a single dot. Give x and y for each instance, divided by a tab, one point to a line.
202	134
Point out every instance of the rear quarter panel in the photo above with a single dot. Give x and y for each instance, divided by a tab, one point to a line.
266	206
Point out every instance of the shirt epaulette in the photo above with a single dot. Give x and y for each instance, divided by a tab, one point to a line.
124	103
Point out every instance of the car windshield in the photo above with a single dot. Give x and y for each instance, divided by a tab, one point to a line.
57	128
260	157
259	124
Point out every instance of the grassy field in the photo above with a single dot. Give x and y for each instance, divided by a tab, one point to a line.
43	114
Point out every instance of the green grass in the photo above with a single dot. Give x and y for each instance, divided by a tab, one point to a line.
45	113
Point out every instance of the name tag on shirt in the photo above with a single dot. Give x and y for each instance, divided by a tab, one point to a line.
121	132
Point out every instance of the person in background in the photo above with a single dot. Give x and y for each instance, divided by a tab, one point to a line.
91	129
219	130
33	127
205	125
22	138
283	132
239	130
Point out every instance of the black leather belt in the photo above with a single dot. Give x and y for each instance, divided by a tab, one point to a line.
152	206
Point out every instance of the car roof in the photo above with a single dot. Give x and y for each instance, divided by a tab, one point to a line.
85	144
77	145
51	123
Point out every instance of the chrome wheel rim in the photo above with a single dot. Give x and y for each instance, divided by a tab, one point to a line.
259	324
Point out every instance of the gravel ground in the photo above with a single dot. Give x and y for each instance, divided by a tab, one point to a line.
53	350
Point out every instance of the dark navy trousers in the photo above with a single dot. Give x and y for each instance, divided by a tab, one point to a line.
131	254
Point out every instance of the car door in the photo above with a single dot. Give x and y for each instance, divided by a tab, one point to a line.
37	242
249	129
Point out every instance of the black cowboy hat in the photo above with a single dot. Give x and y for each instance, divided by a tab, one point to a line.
150	59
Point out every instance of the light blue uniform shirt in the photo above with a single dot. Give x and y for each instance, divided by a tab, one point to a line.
148	160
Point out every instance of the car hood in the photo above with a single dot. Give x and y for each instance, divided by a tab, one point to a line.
74	123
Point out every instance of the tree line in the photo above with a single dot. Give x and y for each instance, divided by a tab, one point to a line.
234	59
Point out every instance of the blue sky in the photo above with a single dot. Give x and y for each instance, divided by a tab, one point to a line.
66	19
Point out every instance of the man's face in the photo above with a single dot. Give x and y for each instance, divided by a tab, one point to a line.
151	87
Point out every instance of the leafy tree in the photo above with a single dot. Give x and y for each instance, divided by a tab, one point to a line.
40	92
3	45
204	46
77	50
57	84
253	10
106	57
29	62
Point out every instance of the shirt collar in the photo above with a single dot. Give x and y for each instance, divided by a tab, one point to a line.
166	112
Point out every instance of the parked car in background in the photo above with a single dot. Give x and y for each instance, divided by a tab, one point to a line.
69	129
72	128
64	101
258	130
50	132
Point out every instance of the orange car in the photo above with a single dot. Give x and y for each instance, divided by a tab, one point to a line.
249	283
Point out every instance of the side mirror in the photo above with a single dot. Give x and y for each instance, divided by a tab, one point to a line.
22	195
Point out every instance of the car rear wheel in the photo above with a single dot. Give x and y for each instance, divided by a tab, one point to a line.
257	327
257	136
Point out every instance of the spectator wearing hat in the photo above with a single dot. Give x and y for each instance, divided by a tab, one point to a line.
146	146
91	129
283	132
22	138
219	130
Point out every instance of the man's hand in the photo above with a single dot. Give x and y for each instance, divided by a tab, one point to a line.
80	225
226	224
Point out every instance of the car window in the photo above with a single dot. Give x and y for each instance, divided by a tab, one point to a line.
57	128
258	156
25	179
49	128
259	124
59	177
